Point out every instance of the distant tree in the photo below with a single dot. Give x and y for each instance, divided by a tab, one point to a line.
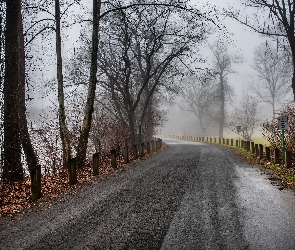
272	18
245	115
222	66
199	97
273	73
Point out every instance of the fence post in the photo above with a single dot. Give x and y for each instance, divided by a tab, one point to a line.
256	150
267	153
253	147
276	156
148	148
72	171
95	164
142	150
288	162
135	151
113	158
126	156
36	183
260	151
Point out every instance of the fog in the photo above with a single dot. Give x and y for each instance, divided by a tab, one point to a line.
181	122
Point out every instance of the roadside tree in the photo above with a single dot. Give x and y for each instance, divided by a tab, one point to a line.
274	19
273	73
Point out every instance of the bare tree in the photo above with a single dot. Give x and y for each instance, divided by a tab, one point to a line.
138	54
273	73
2	58
199	97
16	133
245	115
222	66
64	132
272	18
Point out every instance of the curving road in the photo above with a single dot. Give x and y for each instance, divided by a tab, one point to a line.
191	196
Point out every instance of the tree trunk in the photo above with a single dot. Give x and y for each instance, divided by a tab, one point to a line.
222	109
132	128
85	129
63	129
28	148
12	170
293	78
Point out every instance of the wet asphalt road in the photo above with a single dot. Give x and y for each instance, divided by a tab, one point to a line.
191	196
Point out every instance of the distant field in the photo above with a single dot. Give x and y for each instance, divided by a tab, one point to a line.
262	141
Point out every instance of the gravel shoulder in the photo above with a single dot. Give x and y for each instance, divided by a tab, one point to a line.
183	198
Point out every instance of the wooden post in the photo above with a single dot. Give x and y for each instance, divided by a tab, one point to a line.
95	164
237	143
148	148
253	147
126	155
248	146
267	153
113	158
260	151
288	162
256	150
36	183
72	171
142	150
135	151
276	156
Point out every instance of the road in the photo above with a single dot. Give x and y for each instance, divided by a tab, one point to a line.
190	196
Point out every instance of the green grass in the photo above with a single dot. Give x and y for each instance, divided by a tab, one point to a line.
272	166
290	178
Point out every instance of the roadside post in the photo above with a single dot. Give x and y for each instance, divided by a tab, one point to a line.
283	125
139	138
239	129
